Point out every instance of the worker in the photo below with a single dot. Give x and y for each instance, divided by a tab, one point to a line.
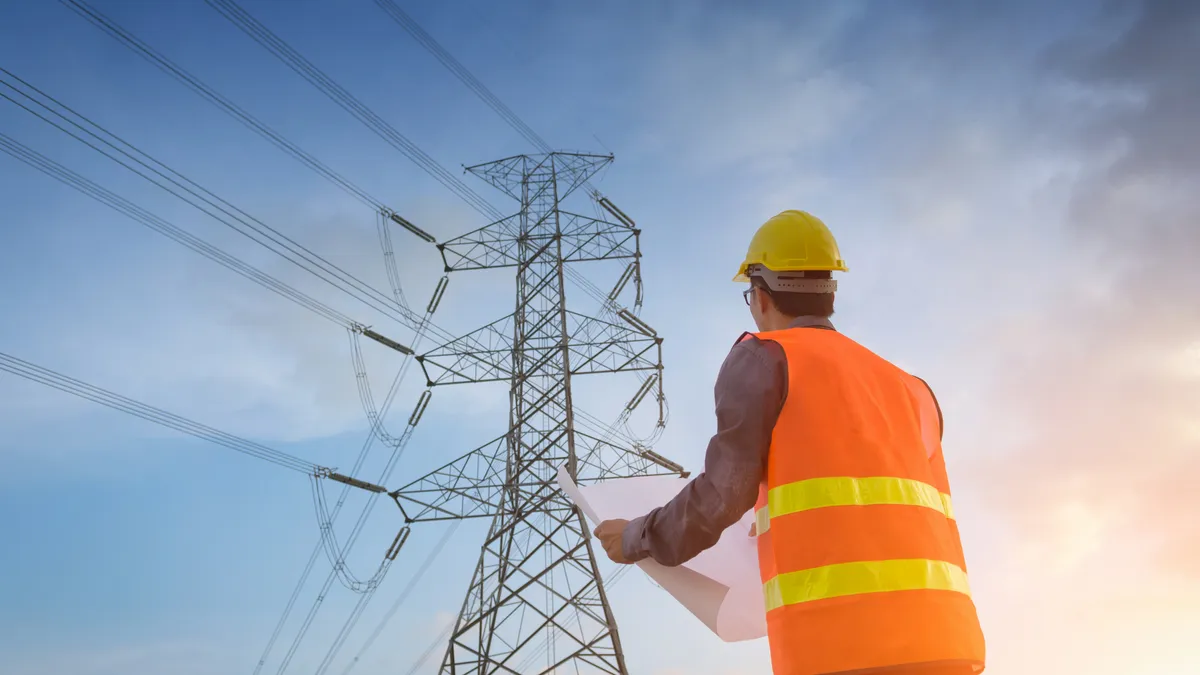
839	453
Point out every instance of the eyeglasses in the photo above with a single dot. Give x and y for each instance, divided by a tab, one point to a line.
746	293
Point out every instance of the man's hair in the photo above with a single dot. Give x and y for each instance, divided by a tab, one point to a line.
799	304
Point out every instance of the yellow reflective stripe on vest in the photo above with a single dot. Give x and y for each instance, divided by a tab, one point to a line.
816	493
946	507
857	578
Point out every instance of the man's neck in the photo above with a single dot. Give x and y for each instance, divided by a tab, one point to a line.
781	322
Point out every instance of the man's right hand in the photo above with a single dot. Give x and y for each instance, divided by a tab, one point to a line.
611	533
754	529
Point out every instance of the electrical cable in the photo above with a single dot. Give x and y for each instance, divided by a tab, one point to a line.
233	217
148	53
121	205
339	569
421	325
318	547
199	197
467	78
403	595
70	385
301	66
407	23
289	56
437	641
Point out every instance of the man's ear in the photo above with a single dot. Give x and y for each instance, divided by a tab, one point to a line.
765	302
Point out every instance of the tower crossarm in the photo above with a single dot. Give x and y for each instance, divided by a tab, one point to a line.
499	244
596	346
515	175
601	459
468	487
472	486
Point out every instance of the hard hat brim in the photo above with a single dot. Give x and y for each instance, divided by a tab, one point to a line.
744	278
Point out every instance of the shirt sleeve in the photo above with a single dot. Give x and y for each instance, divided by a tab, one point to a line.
749	393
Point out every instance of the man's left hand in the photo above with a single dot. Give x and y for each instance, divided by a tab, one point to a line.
611	534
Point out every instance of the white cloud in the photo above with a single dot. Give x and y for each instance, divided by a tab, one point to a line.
210	345
747	93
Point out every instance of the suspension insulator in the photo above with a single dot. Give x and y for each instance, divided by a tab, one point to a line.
438	292
637	323
398	543
420	409
616	213
621	283
354	482
395	218
641	392
387	342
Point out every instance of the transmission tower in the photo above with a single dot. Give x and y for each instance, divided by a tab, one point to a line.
537	602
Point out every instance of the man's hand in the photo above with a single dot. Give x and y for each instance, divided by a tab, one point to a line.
611	533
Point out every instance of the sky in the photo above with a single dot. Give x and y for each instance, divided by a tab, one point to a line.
1014	187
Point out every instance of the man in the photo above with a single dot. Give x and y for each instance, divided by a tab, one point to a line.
839	453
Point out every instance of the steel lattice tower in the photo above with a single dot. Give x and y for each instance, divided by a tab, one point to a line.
537	602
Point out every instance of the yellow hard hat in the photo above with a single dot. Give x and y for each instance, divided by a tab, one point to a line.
793	241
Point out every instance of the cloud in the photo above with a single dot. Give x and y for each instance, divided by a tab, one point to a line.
440	622
1102	377
744	93
205	343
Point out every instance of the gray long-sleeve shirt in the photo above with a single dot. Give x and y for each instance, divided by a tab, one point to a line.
749	394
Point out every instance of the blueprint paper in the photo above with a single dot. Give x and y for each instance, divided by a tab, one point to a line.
721	586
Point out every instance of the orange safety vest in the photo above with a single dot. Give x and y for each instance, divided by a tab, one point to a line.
859	552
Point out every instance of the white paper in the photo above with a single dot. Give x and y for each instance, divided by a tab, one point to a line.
721	586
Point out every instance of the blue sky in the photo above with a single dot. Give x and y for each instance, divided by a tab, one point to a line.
1013	189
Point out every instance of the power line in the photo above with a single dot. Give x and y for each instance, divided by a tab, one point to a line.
452	64
305	68
70	385
466	77
169	67
339	569
397	451
132	210
385	215
204	200
141	48
421	324
412	584
116	144
135	212
144	50
115	148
